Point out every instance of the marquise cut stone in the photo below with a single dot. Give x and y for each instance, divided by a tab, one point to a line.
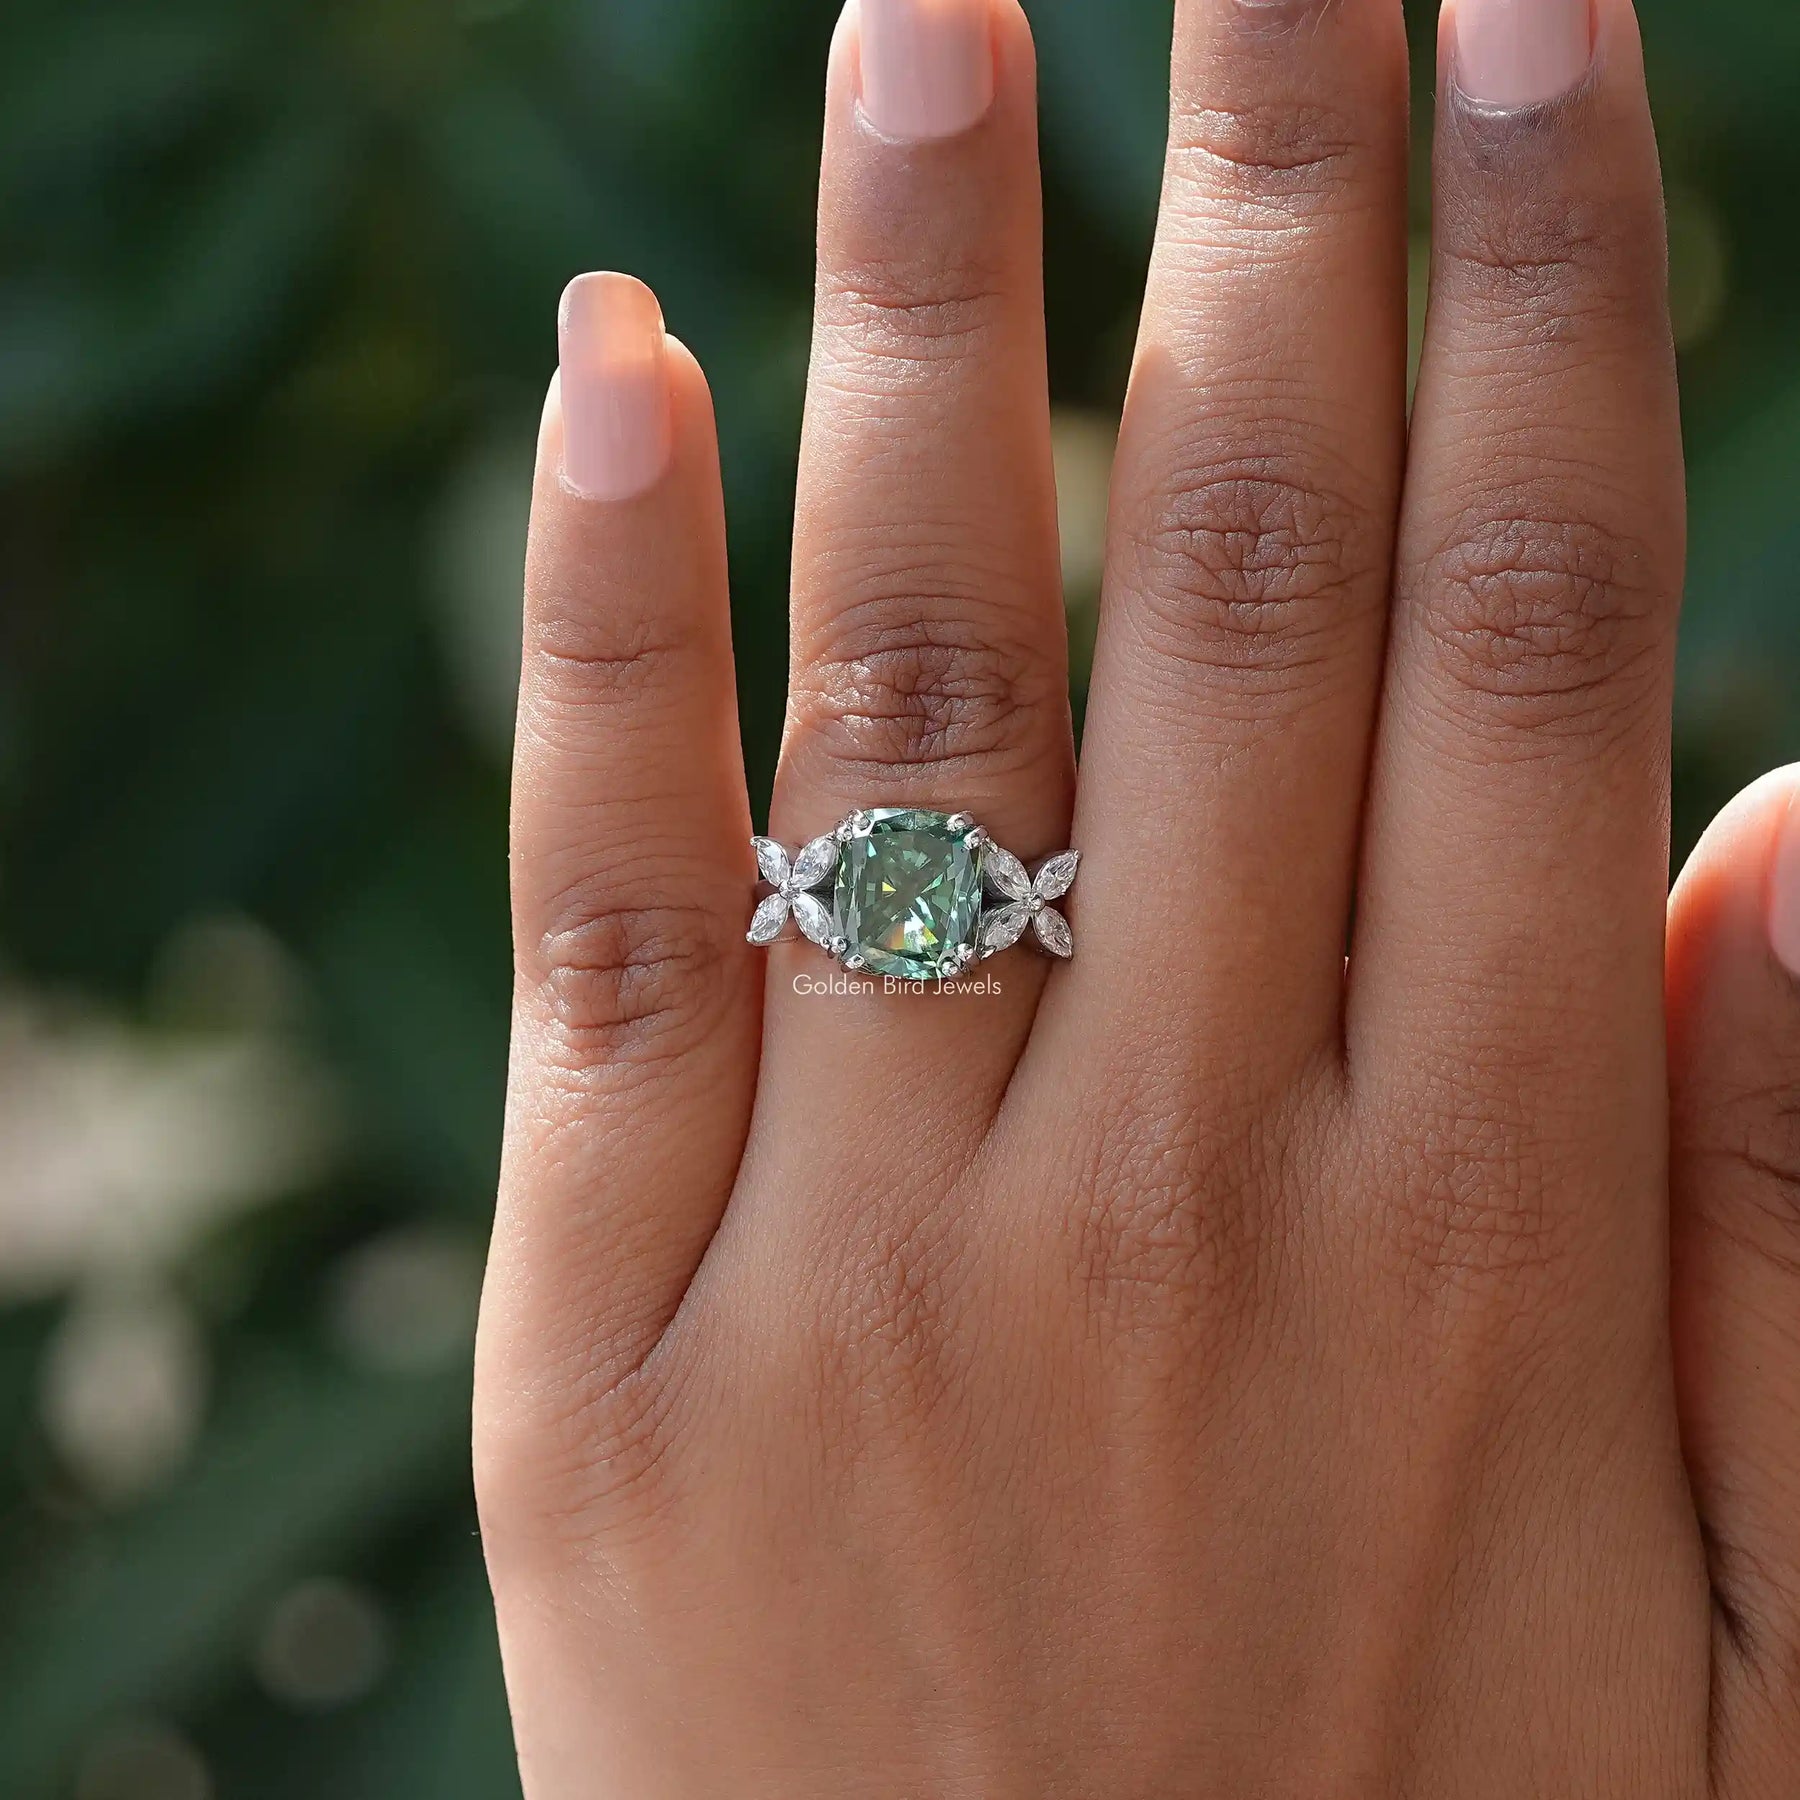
909	894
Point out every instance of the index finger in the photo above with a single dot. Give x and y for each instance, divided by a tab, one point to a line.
1510	920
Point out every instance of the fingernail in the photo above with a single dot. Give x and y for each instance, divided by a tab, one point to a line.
617	437
1522	52
1784	894
927	65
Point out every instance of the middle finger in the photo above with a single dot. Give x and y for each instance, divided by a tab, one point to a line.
1249	569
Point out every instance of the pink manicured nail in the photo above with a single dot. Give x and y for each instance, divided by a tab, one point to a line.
927	65
1784	893
1522	52
615	387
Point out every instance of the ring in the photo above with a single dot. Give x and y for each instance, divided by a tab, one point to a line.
920	896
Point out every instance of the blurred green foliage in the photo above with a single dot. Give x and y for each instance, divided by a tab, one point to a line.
277	291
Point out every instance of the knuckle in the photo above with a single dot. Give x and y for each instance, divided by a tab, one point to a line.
890	1303
594	658
908	309
901	685
1485	1223
876	1347
1250	572
1165	1228
1754	1130
1545	258
1525	249
1293	156
633	986
1474	1209
1545	619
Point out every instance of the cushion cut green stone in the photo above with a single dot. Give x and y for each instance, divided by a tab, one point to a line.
909	894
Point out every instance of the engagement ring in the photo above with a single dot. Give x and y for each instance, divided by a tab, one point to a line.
917	895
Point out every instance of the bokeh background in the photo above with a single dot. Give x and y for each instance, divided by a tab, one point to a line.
277	294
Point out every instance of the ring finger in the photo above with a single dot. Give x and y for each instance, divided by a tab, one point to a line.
929	650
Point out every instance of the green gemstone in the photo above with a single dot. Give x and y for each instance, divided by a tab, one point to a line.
909	894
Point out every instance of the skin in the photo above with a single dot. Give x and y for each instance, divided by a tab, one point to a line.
1207	1367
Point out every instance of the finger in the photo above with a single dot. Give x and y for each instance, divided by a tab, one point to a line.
1510	919
1734	1039
1254	502
929	647
636	999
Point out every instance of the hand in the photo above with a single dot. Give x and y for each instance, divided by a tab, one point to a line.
1199	1369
